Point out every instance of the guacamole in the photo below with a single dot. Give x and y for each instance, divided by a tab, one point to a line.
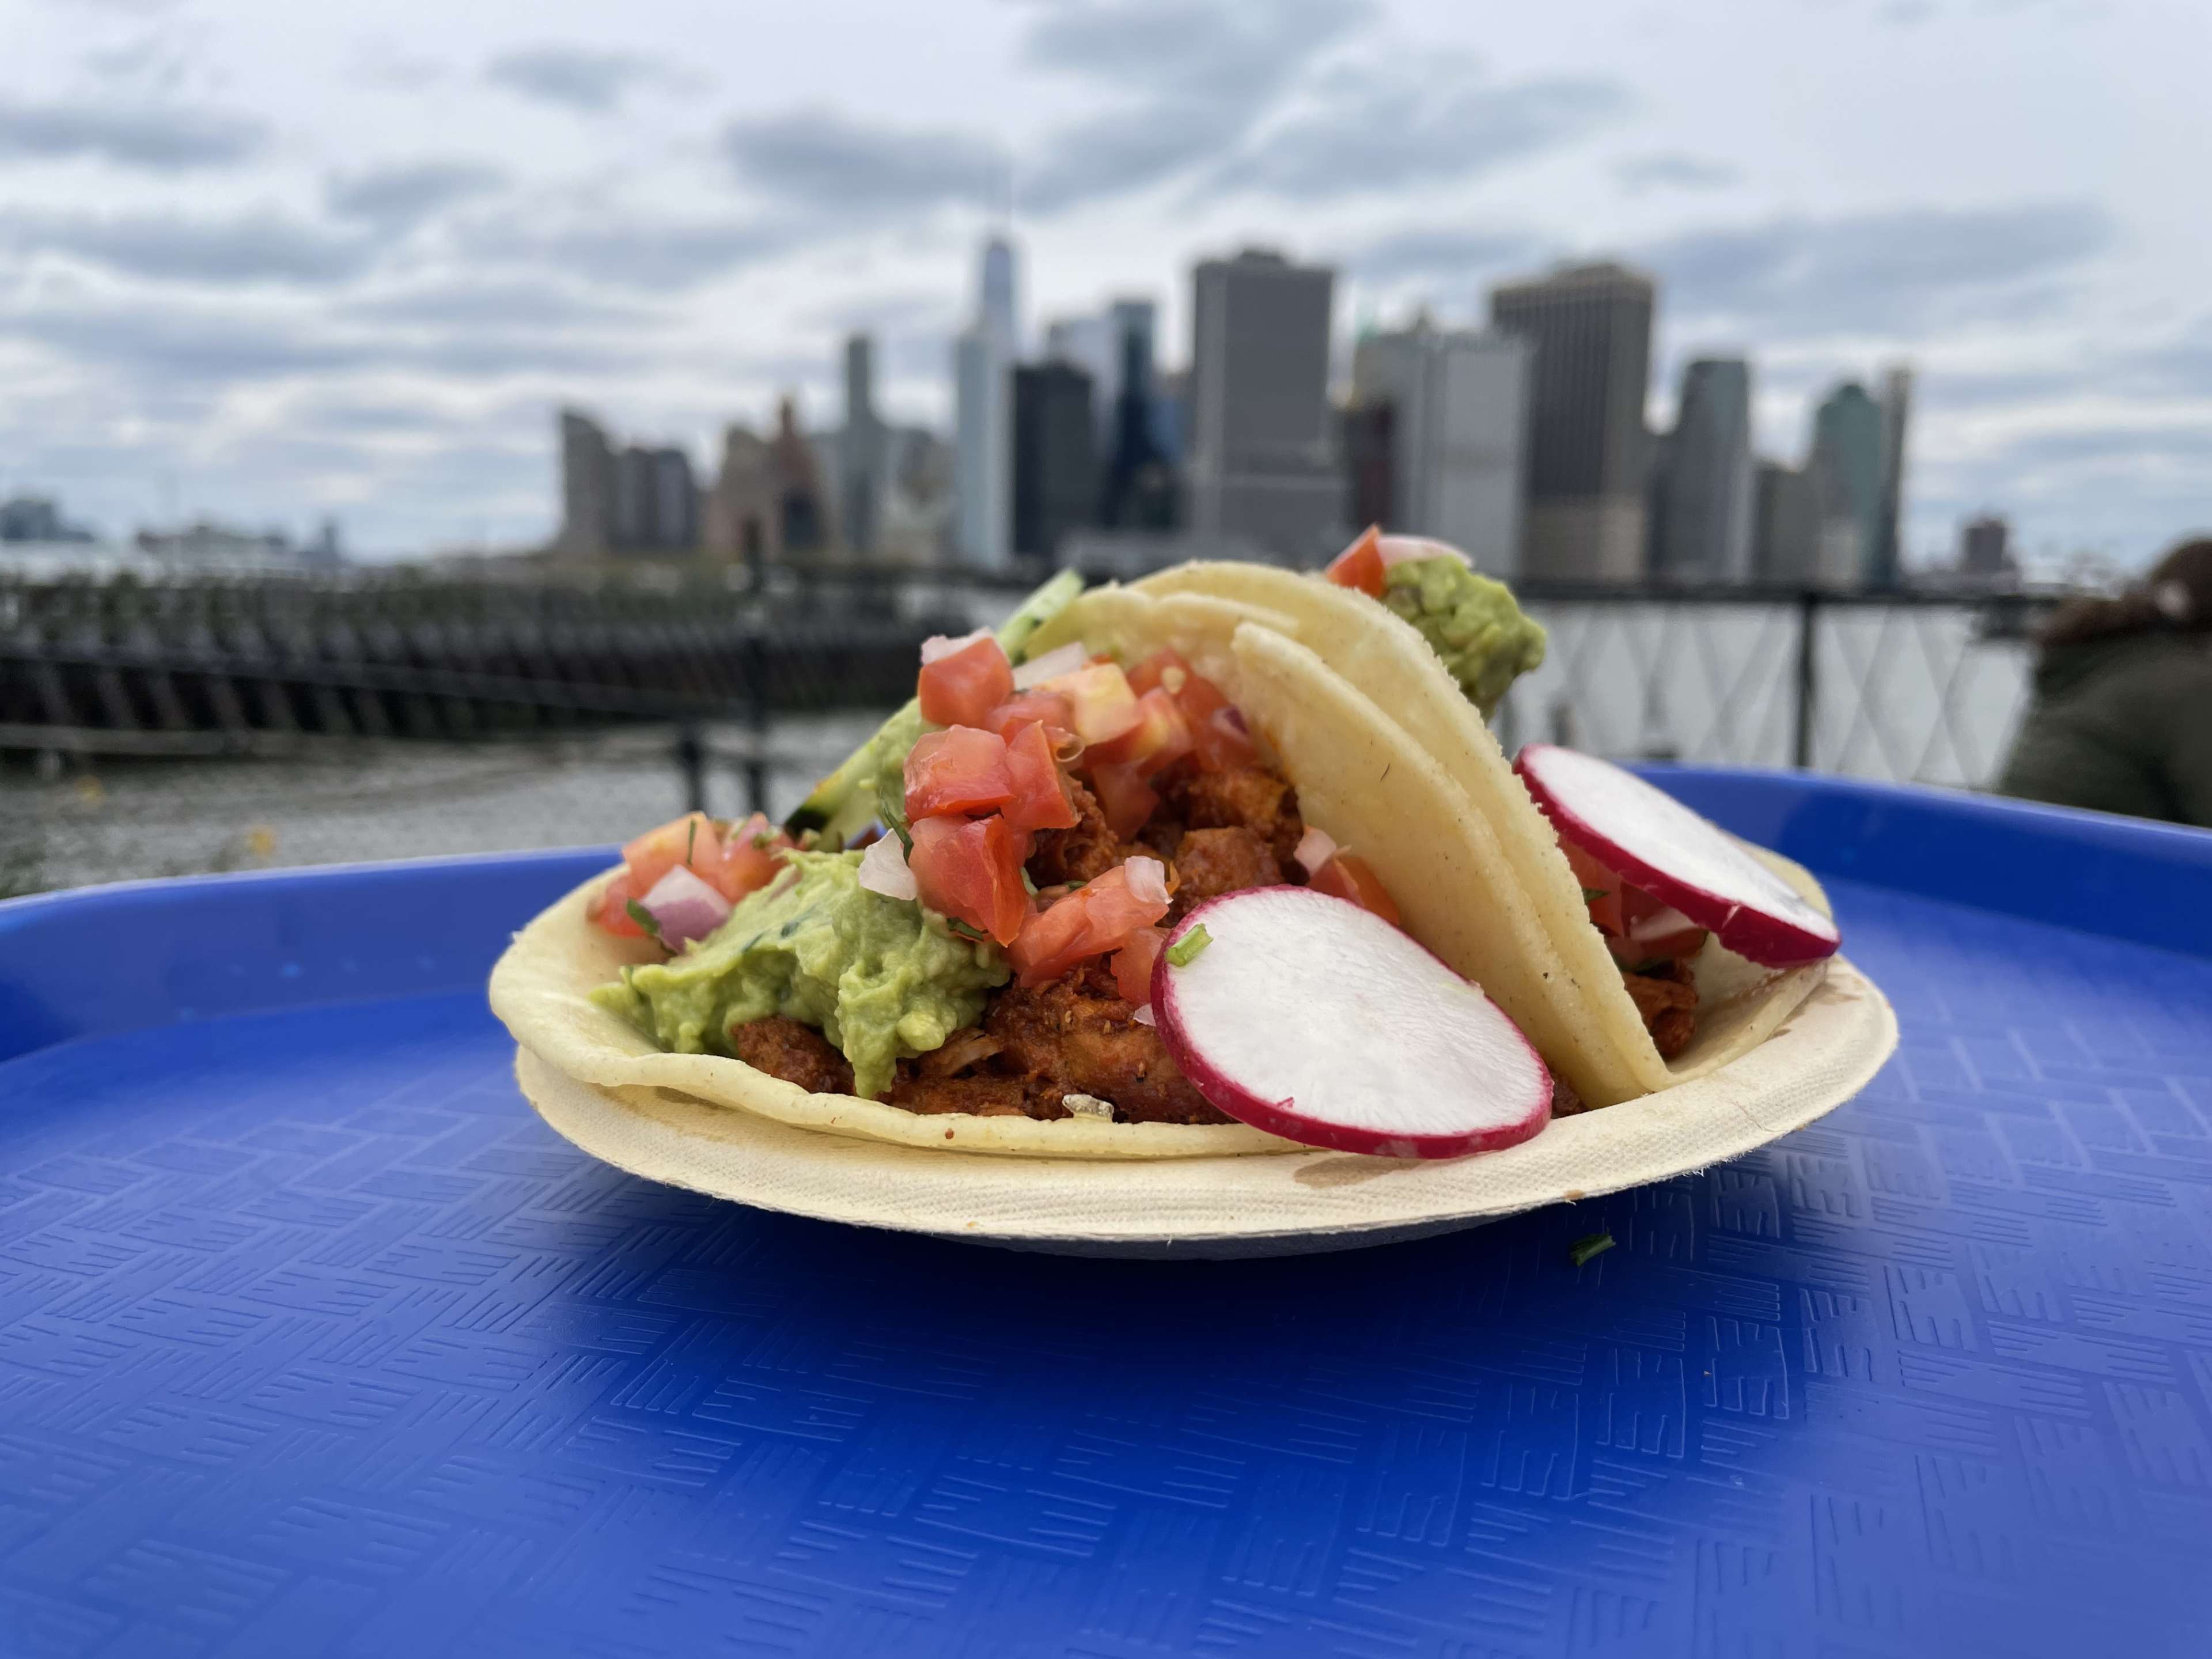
882	978
1471	620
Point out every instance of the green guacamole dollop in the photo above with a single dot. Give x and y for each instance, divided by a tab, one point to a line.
882	978
1472	622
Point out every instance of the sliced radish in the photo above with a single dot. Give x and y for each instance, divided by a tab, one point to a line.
1653	841
1314	1019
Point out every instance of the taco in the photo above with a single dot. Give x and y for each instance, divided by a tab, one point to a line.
1646	997
1054	802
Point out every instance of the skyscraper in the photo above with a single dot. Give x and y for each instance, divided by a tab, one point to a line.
860	450
1261	439
984	361
998	300
1887	565
1591	329
1088	343
1056	457
587	485
1459	403
1847	449
1705	502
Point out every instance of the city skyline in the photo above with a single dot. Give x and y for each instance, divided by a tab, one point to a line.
349	276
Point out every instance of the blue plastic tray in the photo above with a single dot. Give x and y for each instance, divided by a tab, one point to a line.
313	1340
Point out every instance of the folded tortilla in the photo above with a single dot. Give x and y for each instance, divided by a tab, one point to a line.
1556	977
1359	776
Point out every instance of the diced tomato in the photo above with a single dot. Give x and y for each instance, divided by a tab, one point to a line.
1160	738
1040	798
1125	797
959	769
1101	915
1046	709
1132	964
610	910
689	839
1360	565
1222	741
1602	891
1347	876
962	688
1100	700
743	860
971	870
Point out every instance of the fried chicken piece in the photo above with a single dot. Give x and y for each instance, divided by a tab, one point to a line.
1211	862
1075	855
1076	1036
982	1094
1667	996
1251	796
798	1054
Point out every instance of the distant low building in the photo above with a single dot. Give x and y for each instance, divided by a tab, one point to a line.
1985	550
38	518
639	501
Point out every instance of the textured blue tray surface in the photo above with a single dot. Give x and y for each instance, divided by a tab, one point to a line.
313	1340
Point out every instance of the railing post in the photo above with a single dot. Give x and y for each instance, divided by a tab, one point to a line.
692	760
1809	613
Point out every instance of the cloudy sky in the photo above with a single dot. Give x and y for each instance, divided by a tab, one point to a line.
273	261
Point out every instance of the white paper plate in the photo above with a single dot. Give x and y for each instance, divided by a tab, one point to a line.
1285	1204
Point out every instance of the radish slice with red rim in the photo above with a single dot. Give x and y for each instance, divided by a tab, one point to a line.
1311	1017
1680	859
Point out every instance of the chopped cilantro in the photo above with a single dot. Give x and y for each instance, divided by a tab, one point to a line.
690	841
1592	894
1593	1244
1185	950
642	917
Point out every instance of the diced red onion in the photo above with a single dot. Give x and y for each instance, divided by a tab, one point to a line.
944	645
883	869
1315	848
1400	549
684	908
1144	1016
1060	659
1147	879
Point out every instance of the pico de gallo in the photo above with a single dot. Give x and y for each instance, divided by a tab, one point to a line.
1054	818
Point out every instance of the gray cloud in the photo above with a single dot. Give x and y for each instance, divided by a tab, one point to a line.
159	140
261	247
400	197
1451	256
1385	125
818	159
1895	273
1671	171
591	82
490	303
1194	79
606	246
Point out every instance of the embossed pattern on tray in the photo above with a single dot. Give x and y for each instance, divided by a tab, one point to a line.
314	1340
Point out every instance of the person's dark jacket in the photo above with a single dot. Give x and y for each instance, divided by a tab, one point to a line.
2120	724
